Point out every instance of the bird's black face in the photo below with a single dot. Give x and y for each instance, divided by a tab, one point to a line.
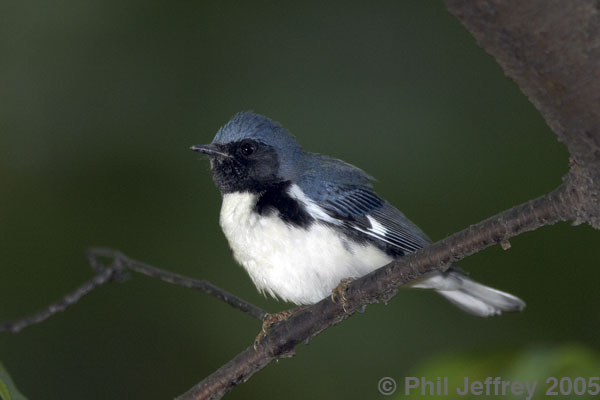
242	166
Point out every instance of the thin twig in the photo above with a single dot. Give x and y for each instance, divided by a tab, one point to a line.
180	280
116	271
101	278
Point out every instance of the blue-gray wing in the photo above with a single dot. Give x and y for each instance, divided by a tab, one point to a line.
364	215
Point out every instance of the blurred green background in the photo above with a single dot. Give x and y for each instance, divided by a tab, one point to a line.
99	102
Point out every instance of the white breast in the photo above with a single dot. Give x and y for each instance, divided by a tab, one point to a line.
295	264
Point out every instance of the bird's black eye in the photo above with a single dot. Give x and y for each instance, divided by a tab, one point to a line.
247	148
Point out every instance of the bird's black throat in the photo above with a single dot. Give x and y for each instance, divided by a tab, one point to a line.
256	173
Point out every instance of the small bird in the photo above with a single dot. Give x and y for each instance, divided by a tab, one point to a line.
301	222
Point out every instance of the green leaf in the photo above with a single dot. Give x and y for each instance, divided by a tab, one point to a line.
8	390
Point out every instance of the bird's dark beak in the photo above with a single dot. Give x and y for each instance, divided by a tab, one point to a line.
211	150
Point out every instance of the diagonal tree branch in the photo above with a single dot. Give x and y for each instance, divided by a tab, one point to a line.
382	285
551	48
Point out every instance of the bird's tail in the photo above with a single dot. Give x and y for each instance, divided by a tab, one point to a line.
468	295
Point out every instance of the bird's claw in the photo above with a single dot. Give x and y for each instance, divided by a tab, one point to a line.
338	295
272	319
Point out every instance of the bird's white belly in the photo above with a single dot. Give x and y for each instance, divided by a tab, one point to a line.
295	264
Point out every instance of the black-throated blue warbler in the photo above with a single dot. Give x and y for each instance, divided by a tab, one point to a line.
301	222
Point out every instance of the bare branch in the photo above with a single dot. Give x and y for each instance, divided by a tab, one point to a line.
116	272
382	285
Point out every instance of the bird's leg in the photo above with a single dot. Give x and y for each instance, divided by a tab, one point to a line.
338	295
272	319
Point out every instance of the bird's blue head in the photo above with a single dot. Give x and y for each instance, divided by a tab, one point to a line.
252	152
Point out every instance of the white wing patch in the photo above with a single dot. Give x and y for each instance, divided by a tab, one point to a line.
376	230
376	227
390	235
